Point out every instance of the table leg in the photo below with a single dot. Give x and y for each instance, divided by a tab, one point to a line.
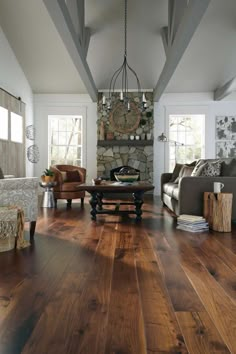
99	199
93	202
138	202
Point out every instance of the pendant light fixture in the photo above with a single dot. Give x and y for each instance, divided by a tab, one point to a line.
122	74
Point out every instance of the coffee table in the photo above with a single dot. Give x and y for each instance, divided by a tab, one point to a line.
137	189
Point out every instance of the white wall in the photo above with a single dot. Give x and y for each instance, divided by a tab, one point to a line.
13	80
189	102
53	104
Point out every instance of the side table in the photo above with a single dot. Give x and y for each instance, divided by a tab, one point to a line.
218	210
48	196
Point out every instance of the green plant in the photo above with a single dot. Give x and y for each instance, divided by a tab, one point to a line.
48	172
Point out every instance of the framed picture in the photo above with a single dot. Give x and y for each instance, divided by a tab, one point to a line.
225	149
226	128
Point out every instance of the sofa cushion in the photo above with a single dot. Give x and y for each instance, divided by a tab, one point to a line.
210	169
197	166
73	176
176	171
70	187
184	172
228	169
171	189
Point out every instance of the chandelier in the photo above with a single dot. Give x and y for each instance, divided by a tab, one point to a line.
122	74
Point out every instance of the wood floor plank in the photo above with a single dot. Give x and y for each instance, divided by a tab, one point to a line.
82	307
33	295
163	334
125	325
182	294
200	334
219	306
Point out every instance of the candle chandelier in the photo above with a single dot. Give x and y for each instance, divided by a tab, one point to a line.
122	74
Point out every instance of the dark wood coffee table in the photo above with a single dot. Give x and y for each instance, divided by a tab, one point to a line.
137	189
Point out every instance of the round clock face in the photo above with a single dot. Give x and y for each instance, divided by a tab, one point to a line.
123	121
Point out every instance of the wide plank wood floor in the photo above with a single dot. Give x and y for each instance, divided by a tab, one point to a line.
117	287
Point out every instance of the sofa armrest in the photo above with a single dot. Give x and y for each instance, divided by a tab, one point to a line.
191	192
165	178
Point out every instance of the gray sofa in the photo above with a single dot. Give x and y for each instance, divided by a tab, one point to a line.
186	196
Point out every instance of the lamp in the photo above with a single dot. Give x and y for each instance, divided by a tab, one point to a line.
123	73
163	138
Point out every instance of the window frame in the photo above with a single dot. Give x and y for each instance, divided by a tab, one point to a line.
183	110
81	114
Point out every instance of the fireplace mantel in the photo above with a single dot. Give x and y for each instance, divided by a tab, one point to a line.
125	142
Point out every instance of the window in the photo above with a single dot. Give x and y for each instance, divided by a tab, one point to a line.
186	138
65	140
3	123
16	128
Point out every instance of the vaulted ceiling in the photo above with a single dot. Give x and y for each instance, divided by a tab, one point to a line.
51	66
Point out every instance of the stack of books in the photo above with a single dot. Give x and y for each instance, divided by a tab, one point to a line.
192	223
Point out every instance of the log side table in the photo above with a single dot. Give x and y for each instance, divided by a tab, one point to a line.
218	210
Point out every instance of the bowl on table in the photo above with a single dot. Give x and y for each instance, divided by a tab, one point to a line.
126	175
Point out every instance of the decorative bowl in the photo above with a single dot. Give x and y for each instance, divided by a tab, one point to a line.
126	178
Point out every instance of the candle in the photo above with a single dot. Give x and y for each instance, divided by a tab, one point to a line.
144	98
103	99
121	96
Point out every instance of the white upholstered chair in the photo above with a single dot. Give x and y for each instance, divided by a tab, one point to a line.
22	192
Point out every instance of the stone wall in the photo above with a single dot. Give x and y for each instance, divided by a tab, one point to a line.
135	153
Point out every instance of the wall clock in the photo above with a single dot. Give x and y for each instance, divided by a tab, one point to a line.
123	121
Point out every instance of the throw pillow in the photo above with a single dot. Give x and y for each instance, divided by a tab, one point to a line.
185	171
64	176
210	169
196	168
228	169
1	174
72	176
176	171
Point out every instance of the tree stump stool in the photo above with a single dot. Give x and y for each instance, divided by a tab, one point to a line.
218	210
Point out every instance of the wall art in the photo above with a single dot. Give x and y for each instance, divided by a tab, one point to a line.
225	149
226	128
30	132
33	153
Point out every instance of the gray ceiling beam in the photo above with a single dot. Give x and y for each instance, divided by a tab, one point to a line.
189	23
225	90
164	36
61	18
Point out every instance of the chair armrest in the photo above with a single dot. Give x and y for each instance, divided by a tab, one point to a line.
22	192
58	175
165	178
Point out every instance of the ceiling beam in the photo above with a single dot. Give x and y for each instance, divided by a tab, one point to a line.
225	90
60	16
164	36
189	23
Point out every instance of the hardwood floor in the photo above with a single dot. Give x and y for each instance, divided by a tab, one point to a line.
117	287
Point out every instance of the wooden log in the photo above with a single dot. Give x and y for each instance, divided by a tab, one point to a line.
218	210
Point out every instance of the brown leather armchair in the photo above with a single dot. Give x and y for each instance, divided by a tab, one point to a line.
67	178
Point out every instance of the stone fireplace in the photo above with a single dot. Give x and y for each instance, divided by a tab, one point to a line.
135	148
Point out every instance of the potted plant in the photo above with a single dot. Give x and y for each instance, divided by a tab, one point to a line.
48	175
